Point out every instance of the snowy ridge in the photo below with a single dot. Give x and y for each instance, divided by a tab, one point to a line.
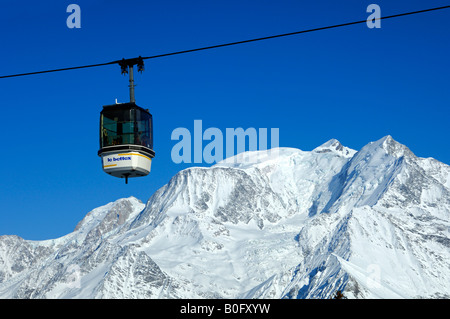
282	223
336	147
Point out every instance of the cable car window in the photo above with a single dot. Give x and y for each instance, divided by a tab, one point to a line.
121	126
115	127
144	129
109	132
127	133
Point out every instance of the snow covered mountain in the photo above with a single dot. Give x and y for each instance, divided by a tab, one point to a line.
270	224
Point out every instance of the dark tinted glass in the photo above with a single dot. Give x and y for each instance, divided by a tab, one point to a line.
143	129
120	126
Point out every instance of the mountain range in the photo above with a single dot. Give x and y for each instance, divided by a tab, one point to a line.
280	223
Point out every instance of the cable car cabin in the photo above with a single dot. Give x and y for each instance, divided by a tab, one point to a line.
126	140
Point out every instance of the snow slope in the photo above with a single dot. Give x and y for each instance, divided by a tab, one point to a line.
282	223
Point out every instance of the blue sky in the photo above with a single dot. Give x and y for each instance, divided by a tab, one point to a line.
354	84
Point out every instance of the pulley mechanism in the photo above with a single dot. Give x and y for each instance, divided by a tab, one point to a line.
126	66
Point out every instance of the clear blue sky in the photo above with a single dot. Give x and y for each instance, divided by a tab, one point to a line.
354	84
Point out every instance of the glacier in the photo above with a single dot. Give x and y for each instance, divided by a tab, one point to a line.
275	224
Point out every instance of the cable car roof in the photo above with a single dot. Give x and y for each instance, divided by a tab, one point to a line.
125	106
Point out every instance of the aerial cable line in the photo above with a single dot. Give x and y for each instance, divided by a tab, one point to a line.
132	61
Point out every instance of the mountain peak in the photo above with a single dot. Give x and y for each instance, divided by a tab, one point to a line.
391	147
110	216
388	138
335	146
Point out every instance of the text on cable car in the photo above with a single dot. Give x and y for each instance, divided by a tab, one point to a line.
122	158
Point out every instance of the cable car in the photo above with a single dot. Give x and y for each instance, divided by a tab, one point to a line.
126	140
126	135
